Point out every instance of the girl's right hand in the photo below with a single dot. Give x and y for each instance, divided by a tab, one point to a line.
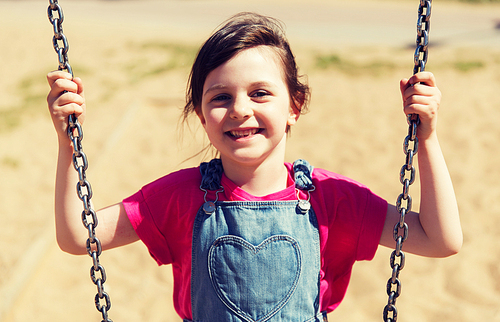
65	98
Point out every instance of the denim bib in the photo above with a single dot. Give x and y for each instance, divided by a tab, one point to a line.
255	261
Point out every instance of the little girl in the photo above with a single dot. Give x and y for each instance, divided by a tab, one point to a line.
251	237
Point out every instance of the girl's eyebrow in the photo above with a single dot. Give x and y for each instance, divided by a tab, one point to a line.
217	87
263	84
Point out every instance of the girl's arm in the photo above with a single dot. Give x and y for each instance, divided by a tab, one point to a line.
435	231
113	229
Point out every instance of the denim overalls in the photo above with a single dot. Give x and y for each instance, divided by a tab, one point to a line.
255	260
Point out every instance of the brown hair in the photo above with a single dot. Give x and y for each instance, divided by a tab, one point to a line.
243	31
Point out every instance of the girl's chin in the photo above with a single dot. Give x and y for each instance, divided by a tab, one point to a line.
240	157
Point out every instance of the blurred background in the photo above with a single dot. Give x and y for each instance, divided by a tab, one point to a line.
134	58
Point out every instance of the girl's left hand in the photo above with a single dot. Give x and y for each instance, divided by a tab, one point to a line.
421	96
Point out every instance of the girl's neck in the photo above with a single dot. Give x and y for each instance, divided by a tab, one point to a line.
259	180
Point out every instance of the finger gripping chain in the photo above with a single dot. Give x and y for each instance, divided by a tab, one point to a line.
390	313
80	163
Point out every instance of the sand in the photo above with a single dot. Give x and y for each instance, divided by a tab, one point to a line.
134	57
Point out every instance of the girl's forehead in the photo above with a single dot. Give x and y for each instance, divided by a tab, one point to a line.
263	58
269	53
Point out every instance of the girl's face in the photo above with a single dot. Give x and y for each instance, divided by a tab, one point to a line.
246	108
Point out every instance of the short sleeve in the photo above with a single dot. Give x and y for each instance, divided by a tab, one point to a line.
371	226
142	221
350	219
162	214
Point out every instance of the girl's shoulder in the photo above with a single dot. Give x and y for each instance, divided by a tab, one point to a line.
326	177
323	176
181	180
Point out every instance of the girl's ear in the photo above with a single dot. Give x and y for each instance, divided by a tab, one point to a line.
200	115
294	112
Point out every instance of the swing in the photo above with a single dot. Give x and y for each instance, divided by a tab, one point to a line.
83	187
84	190
410	148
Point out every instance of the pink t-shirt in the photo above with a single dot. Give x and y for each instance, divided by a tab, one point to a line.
350	219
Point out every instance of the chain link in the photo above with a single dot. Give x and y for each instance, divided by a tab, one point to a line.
59	40
80	163
407	173
423	27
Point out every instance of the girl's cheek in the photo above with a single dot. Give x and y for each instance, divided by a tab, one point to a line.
210	115
215	115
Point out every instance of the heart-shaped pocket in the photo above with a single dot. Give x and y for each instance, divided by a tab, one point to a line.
255	282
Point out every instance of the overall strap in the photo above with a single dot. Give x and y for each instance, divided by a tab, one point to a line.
302	172
211	174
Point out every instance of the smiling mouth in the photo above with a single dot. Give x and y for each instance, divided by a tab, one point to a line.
243	133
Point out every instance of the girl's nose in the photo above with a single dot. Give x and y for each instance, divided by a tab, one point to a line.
240	109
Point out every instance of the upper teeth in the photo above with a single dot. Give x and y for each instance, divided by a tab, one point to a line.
243	133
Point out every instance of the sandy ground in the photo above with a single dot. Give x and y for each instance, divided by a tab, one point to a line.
134	58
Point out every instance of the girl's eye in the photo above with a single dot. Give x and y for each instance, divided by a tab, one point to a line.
260	94
221	98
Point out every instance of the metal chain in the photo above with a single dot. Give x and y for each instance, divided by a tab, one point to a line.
59	40
83	187
407	173
423	27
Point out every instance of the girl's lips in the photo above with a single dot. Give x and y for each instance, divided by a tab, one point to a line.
243	133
